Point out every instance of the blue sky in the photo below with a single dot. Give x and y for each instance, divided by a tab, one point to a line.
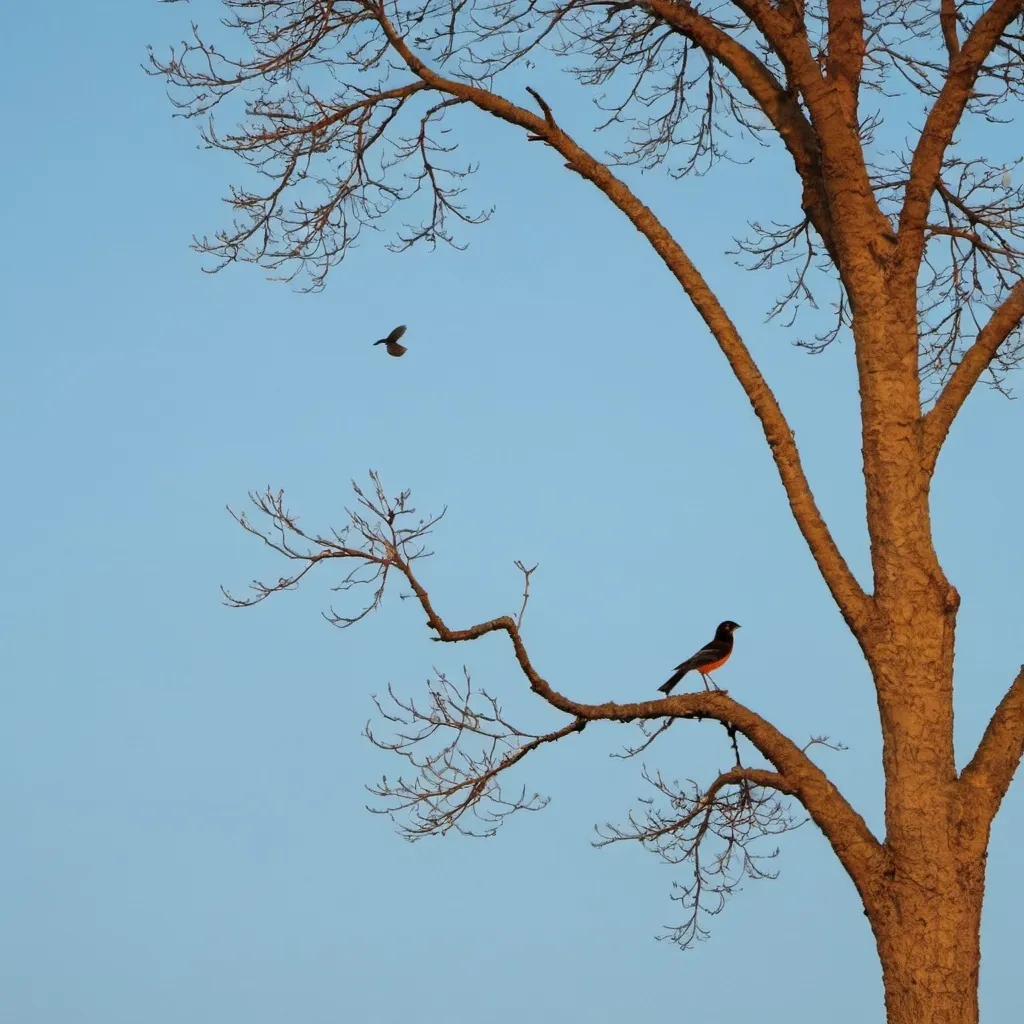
181	785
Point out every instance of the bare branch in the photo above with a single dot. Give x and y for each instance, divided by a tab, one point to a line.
831	101
545	109
458	744
778	104
650	735
378	531
715	829
987	777
379	543
973	259
454	786
785	33
979	357
947	19
527	573
940	125
822	741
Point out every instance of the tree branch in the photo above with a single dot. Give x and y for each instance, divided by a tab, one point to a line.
383	538
786	34
654	830
739	808
991	770
854	604
858	225
454	786
851	839
937	421
941	123
845	59
778	105
947	21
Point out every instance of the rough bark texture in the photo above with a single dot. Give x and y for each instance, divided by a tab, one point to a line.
929	949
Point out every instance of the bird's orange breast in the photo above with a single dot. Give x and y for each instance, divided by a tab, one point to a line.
712	665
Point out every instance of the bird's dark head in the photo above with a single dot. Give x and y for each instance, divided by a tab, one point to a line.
727	628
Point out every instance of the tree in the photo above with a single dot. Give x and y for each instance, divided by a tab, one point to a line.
344	114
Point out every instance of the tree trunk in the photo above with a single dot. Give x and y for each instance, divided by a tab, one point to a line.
929	948
927	914
928	924
927	918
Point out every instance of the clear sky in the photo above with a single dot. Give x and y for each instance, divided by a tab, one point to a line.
181	785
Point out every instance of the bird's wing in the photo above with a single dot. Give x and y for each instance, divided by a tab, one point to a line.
396	333
707	655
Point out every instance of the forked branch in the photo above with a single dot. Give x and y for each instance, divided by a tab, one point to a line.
379	530
458	745
715	829
383	539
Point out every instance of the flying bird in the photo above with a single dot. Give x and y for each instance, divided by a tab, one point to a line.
391	341
707	659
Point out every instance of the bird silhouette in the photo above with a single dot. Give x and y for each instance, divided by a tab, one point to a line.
711	656
391	341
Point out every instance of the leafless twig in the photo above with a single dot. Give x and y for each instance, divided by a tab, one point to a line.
527	573
715	829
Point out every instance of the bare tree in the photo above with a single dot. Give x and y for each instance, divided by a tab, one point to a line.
345	103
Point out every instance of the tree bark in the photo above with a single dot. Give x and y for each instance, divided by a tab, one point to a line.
928	914
929	945
927	925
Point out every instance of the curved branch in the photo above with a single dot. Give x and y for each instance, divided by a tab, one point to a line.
757	776
383	545
658	827
991	770
1006	319
855	845
854	604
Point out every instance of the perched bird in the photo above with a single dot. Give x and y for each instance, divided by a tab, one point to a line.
707	659
391	341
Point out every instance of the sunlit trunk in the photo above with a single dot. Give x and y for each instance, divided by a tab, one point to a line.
929	948
927	917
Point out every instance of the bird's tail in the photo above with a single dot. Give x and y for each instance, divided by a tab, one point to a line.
666	687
